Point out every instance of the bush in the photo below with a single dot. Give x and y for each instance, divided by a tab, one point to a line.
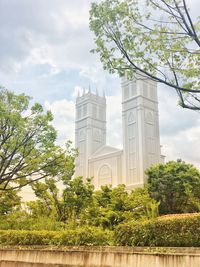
167	231
22	221
81	236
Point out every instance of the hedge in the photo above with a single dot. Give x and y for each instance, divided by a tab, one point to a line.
168	231
81	236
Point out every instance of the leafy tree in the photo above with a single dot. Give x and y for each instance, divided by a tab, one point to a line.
9	201
119	198
112	206
27	144
77	196
64	202
109	206
157	39
38	208
103	196
47	203
76	204
175	185
141	205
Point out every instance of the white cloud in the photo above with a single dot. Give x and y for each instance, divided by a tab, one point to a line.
45	32
184	145
64	116
180	130
173	118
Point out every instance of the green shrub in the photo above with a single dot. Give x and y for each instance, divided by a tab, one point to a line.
24	237
81	236
22	221
173	231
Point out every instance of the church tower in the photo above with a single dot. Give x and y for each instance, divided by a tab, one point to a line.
141	141
90	129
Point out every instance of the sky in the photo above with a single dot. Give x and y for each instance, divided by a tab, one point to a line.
45	53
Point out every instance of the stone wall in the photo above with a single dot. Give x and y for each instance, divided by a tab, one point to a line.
100	257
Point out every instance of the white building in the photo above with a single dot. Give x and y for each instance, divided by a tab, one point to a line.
141	139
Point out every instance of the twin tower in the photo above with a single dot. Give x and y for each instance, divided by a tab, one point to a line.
141	139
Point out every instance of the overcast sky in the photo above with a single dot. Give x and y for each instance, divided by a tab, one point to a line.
44	52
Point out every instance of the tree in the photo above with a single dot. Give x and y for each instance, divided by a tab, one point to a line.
112	206
9	202
77	196
109	206
48	202
175	185
27	144
157	39
142	205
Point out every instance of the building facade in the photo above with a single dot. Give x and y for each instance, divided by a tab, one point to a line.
141	139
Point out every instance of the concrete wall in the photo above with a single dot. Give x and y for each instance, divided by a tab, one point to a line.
99	257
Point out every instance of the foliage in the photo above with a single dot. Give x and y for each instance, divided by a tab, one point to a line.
47	203
88	217
66	206
112	206
164	231
150	38
9	202
76	198
176	185
108	207
21	220
77	205
173	231
142	205
27	144
80	236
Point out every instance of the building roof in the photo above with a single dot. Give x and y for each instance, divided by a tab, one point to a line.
105	150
